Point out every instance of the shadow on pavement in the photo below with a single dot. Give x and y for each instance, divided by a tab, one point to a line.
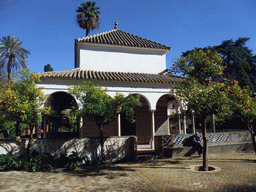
232	188
110	171
234	160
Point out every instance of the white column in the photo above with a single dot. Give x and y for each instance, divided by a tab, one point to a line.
168	118
179	125
193	119
81	126
153	128
185	126
119	124
168	125
213	123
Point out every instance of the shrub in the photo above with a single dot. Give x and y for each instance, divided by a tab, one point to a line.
73	161
70	162
39	162
10	162
44	162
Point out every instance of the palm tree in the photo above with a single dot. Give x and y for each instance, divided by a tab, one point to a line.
12	54
88	16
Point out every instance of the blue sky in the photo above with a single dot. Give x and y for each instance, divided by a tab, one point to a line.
48	28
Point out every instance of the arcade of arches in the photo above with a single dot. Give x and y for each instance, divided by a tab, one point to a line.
148	121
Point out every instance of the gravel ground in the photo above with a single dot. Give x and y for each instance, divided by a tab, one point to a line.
238	173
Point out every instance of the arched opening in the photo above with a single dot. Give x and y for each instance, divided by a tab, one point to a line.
57	124
166	106
142	127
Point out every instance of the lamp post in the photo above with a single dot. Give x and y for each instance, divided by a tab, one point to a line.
193	121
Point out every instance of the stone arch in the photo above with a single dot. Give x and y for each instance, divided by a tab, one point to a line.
142	127
166	105
171	97
59	102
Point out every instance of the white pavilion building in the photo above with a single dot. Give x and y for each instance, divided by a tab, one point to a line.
123	63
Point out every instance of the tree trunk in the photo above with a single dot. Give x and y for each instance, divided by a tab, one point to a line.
253	134
9	68
87	31
30	142
17	130
205	149
102	144
253	141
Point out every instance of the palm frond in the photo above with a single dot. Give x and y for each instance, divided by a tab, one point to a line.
88	16
11	50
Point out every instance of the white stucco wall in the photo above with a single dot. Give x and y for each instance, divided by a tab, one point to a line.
121	59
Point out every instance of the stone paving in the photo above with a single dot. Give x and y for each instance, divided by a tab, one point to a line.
238	173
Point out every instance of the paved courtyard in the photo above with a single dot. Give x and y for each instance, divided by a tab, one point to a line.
238	173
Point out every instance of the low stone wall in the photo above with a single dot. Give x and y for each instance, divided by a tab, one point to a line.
213	138
116	148
171	145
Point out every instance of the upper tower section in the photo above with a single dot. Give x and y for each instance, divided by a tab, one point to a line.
118	51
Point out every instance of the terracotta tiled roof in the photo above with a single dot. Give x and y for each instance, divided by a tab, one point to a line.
110	76
121	38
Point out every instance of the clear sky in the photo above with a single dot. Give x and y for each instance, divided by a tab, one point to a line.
48	28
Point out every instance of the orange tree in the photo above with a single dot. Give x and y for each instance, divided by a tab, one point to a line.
21	102
199	93
244	107
99	106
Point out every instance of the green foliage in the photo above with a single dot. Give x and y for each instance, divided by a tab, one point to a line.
196	90
199	64
73	161
68	121
7	125
102	108
88	16
10	162
174	118
39	162
226	99
12	54
239	61
69	162
244	106
98	105
200	94
21	100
